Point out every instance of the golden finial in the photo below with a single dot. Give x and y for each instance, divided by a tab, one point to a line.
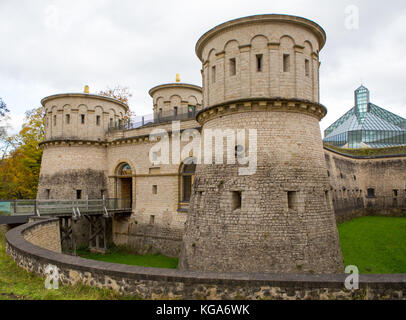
86	89
177	77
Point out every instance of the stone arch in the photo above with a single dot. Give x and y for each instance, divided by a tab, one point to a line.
287	41
258	39
230	44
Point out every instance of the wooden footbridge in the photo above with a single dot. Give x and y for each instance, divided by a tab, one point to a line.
69	212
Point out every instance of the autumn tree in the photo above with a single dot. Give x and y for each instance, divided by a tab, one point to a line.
119	93
19	170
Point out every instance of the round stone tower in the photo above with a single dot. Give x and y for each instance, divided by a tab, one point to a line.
74	159
262	72
180	100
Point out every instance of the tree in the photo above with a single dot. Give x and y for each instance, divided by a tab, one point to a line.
118	93
19	170
6	142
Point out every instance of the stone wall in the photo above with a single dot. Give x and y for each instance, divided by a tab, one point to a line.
153	283
44	234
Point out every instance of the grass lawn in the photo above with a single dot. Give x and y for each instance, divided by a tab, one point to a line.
16	283
374	244
123	256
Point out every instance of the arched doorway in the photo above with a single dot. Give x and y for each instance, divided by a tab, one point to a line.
186	174
124	184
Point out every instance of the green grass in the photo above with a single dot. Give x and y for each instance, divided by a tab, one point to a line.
18	284
122	255
374	244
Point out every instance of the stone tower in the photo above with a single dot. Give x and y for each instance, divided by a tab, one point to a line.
262	72
74	160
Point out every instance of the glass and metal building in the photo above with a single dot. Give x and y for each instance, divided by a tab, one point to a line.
366	126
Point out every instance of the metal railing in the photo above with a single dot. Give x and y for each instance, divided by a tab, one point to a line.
138	122
59	207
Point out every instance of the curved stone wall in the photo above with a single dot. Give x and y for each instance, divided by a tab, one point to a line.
167	97
261	56
80	116
153	283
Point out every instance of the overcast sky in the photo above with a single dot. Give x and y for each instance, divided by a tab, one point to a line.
49	47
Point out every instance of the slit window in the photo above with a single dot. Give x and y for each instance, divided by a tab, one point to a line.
286	63
78	194
233	67
213	74
54	120
68	119
307	68
292	200
175	111
154	189
48	194
259	62
82	119
236	200
395	192
152	220
98	120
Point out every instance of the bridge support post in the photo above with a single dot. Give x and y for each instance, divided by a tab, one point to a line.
68	240
98	233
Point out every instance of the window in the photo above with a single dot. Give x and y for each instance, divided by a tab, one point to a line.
48	194
286	63
54	120
239	151
82	119
371	193
259	62
187	172
191	110
292	200
97	120
175	111
152	220
111	122
395	192
160	112
328	173
213	74
233	67
78	194
68	119
307	67
236	200
102	193
154	189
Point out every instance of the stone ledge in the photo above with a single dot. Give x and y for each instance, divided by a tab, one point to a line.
146	282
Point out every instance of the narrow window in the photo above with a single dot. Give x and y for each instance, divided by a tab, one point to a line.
355	178
259	62
152	220
111	122
48	193
175	111
154	189
307	68
102	193
233	67
78	194
292	200
395	192
286	63
327	197
187	188
82	118
54	120
160	112
213	74
328	173
371	193
236	200
68	119
97	120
